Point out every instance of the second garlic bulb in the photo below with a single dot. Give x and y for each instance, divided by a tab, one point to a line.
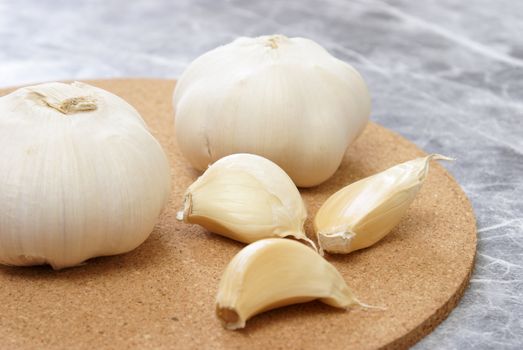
286	99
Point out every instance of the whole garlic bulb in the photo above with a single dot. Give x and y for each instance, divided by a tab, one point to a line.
286	99
81	176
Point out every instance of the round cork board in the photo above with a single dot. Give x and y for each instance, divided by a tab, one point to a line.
161	295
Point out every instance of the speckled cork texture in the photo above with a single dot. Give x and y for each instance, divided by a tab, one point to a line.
161	295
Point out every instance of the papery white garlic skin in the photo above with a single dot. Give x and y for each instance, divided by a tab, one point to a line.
80	175
246	197
362	213
286	99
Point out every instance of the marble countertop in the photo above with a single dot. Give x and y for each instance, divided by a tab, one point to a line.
446	74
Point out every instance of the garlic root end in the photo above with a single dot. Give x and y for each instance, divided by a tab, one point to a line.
336	242
229	318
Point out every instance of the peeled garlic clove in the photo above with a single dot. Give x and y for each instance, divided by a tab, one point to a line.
246	197
275	272
362	213
286	99
80	175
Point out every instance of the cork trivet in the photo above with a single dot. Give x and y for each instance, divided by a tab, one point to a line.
161	295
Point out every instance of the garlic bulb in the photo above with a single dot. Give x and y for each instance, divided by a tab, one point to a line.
286	99
246	197
81	175
273	273
359	215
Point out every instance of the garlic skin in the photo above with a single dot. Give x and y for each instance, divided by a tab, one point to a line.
275	272
286	99
81	175
247	198
362	213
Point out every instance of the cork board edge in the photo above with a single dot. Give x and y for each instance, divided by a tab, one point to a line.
427	326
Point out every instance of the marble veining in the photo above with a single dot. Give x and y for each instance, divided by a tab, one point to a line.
446	74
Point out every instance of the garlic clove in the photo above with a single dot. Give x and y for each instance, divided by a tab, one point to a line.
362	213
246	197
272	273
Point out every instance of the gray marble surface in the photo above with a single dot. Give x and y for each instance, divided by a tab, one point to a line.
447	74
